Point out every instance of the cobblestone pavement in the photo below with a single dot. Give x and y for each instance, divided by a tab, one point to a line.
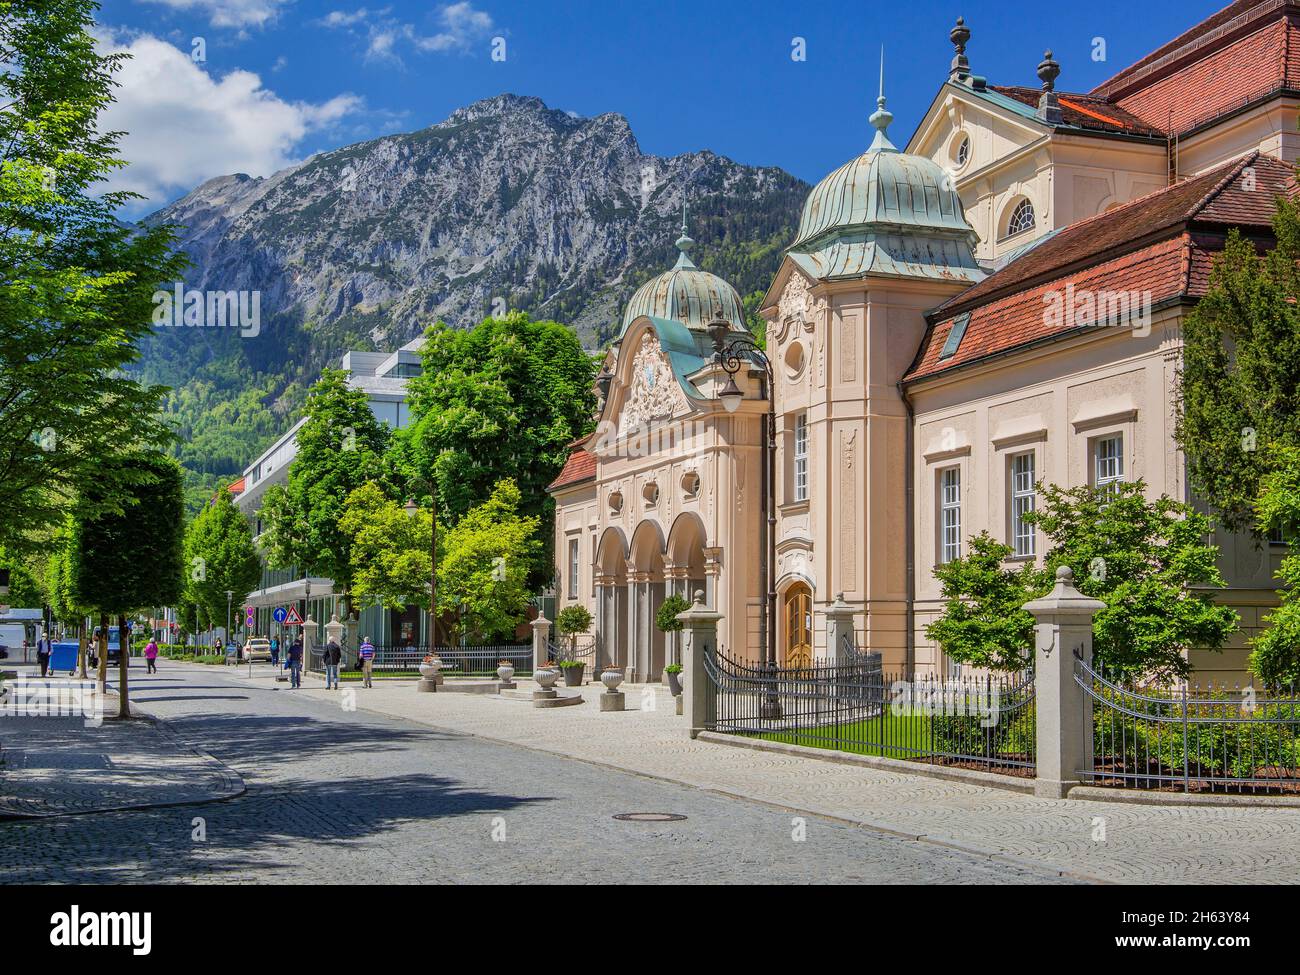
53	766
338	795
1117	842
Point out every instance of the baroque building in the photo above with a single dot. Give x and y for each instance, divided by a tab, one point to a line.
995	306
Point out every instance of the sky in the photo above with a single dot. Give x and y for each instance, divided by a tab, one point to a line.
224	86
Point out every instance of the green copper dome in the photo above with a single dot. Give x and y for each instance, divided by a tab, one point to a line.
685	294
887	212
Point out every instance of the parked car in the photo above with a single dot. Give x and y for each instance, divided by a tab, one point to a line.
257	648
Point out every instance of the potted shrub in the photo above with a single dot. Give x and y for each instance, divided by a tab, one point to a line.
572	670
674	674
505	671
573	620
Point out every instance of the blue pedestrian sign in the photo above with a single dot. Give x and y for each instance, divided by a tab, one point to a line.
280	615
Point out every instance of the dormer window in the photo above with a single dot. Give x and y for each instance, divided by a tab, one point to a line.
1022	219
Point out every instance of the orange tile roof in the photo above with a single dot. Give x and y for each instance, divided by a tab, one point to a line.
581	466
1085	111
1162	243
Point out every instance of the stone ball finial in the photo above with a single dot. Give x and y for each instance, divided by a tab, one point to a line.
1048	71
699	597
959	35
1065	574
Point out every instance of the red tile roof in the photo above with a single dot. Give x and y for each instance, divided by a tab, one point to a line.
1085	111
581	466
1145	245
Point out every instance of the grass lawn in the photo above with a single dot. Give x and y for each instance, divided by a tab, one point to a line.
889	736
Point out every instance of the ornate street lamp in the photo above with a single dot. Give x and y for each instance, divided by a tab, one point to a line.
732	349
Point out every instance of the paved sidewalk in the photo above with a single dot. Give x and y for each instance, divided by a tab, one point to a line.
1126	843
58	766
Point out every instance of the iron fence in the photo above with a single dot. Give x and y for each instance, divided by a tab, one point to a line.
1190	738
404	661
975	722
581	650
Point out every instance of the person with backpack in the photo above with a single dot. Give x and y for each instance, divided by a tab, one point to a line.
275	652
293	661
367	654
333	657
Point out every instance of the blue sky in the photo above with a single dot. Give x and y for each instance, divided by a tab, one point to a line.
281	79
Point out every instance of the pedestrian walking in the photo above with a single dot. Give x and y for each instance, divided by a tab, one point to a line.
275	652
294	663
367	654
43	651
151	657
333	657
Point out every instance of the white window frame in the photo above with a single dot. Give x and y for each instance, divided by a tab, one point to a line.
1108	465
574	556
801	457
949	514
1024	498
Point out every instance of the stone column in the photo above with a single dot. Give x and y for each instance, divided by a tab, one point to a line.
839	628
605	624
1064	713
541	633
639	622
699	642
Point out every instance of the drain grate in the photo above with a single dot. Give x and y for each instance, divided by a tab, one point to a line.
650	817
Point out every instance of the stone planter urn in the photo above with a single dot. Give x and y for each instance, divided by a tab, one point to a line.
429	671
505	672
573	675
674	682
546	677
611	678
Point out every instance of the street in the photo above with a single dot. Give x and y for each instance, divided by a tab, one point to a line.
337	796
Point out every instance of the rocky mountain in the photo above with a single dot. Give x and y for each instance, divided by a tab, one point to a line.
507	203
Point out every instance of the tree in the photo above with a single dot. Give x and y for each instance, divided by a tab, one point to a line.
573	620
220	557
504	400
122	562
1148	561
390	549
666	615
340	448
1275	654
483	565
76	284
1240	375
983	623
25	588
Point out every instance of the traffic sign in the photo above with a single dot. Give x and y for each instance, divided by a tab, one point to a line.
250	617
293	619
280	614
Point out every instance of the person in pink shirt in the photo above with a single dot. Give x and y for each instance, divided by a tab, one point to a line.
151	657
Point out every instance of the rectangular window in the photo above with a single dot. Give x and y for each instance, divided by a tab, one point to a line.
950	514
1022	503
801	457
1109	461
573	568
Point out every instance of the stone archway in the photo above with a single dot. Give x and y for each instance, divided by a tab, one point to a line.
646	580
611	600
684	568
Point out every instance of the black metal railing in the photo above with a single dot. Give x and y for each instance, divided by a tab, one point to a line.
852	705
1189	738
582	650
404	661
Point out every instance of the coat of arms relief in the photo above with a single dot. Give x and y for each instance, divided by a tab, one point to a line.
653	391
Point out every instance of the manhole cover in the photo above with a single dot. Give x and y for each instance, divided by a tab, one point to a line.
650	817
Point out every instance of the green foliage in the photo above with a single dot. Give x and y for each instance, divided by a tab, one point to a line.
666	615
1149	562
673	669
1275	654
1240	376
983	623
390	549
25	588
573	619
219	556
129	560
340	448
756	322
502	401
572	664
483	564
76	284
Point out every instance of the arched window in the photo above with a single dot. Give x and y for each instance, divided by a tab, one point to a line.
963	151
1022	218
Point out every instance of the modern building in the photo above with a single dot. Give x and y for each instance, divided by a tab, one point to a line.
382	377
995	305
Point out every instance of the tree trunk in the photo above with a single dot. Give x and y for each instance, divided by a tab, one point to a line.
123	653
81	651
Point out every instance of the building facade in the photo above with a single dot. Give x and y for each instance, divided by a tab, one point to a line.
997	306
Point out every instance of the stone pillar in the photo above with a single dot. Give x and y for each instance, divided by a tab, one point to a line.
699	642
605	627
1064	714
541	633
839	629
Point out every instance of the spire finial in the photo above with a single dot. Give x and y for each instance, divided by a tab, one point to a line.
1049	106
684	242
959	35
881	117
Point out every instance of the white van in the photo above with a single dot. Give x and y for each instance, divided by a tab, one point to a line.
11	638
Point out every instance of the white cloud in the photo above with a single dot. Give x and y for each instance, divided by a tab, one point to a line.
457	27
185	126
230	13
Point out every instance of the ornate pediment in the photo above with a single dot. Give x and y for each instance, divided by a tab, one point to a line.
653	391
797	307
